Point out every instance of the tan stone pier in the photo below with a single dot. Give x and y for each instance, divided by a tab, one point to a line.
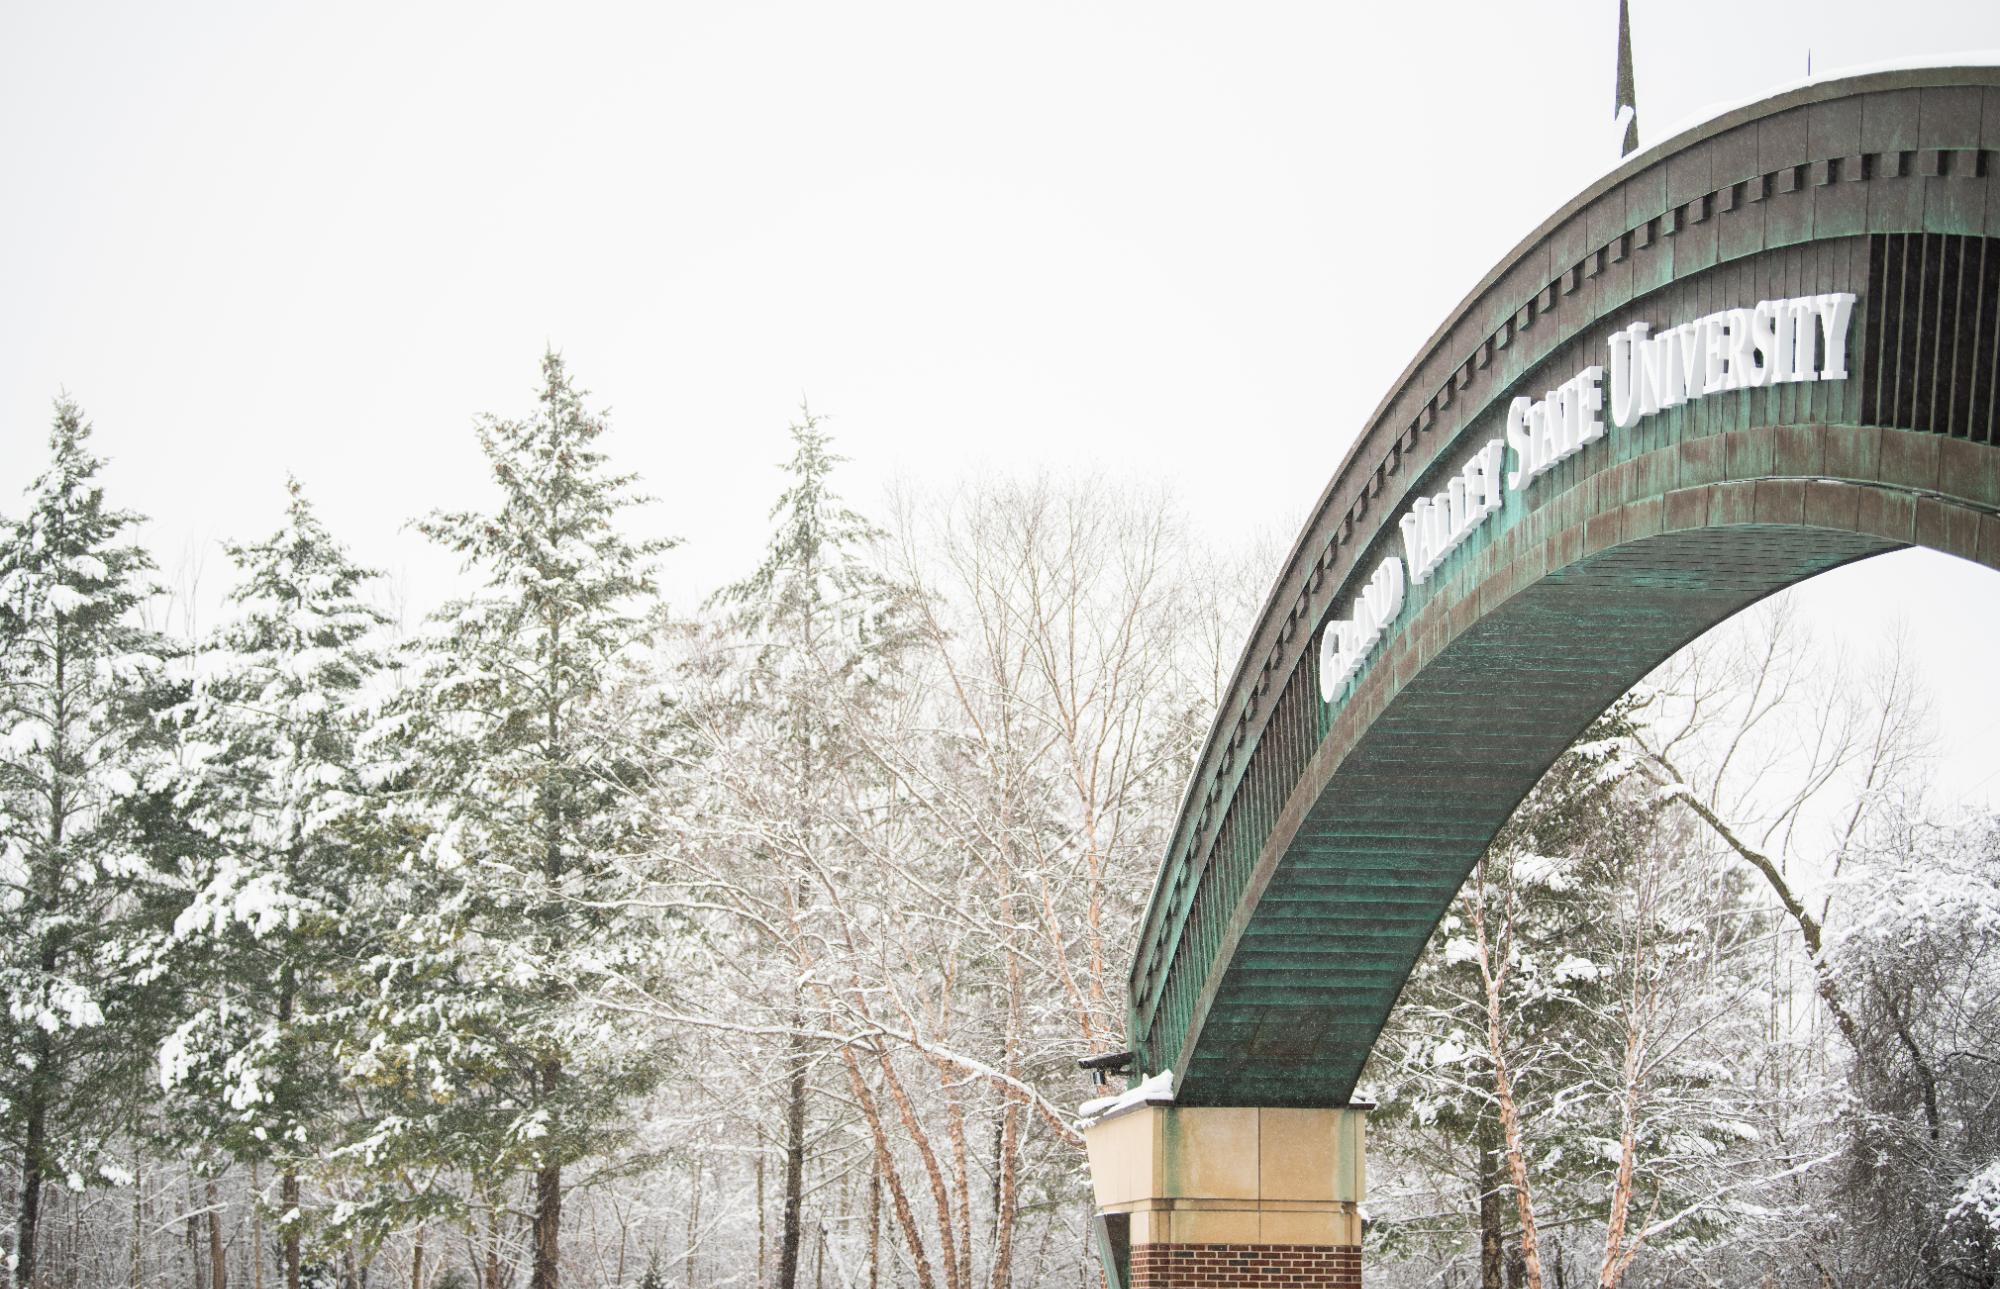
1215	1197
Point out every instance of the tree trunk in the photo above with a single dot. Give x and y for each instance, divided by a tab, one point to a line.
795	1154
958	1250
1618	1251
218	1264
256	1228
1517	1165
694	1220
31	1176
35	1148
1808	925
1927	1080
874	1223
492	1273
48	874
1493	968
1492	1209
417	1260
913	1131
1006	1139
885	1165
548	1226
197	1256
73	1247
288	1200
138	1224
288	1181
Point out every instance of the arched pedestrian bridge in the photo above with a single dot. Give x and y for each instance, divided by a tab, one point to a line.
1818	279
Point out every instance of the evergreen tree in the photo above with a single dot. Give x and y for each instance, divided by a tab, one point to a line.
270	776
1578	869
819	627
517	765
80	685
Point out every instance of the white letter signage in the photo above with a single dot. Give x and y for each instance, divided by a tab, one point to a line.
1776	342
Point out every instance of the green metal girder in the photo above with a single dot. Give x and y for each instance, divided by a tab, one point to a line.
1266	980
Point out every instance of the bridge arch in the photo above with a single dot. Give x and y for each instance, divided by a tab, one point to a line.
1322	837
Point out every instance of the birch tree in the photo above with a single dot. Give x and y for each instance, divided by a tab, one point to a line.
1058	720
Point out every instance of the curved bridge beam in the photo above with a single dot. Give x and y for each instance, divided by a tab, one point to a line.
1321	840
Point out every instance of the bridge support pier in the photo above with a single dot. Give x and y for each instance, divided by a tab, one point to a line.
1215	1197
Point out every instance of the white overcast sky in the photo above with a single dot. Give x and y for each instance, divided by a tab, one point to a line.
1190	245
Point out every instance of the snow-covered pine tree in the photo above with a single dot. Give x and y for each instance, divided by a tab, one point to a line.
275	903
1439	1126
818	628
1620	956
516	784
81	683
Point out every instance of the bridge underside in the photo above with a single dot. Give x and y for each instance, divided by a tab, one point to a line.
1421	793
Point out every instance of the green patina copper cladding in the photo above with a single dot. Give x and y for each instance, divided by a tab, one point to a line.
1318	844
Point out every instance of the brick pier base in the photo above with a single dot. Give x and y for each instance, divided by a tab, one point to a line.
1227	1266
1228	1197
